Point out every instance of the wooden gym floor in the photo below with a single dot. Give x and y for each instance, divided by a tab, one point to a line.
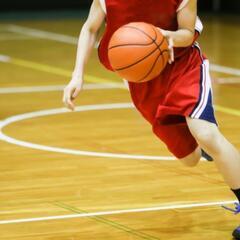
99	173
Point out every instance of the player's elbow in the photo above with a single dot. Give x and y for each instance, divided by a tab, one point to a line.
91	28
189	39
183	38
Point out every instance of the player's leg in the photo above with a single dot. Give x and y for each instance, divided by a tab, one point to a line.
192	159
226	156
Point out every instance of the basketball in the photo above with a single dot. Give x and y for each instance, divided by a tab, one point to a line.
138	52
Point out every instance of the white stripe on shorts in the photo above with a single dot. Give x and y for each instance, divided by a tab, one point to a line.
206	89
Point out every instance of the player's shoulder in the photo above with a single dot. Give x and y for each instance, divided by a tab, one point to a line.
181	4
103	5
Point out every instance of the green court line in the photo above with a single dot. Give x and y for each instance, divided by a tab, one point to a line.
108	222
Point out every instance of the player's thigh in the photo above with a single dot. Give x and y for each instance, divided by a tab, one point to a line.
203	131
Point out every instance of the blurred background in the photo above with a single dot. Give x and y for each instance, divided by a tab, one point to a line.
220	6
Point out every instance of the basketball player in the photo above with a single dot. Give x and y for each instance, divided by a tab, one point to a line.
178	103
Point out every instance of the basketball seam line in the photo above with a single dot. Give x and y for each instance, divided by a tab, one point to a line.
131	44
160	54
149	72
122	68
154	40
158	47
141	32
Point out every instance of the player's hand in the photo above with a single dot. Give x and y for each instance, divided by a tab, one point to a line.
170	49
71	91
170	45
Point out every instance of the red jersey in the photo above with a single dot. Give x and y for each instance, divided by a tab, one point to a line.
161	13
182	90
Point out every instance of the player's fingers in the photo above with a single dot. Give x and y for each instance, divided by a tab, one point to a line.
64	99
164	32
65	94
170	43
171	50
171	57
76	92
67	98
70	105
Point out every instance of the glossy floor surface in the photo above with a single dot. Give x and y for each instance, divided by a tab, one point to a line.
99	173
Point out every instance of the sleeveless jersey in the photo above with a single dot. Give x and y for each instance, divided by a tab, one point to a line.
182	90
161	13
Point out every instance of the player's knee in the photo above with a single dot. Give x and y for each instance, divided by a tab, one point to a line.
206	136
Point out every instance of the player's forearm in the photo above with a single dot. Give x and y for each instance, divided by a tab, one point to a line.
86	43
181	37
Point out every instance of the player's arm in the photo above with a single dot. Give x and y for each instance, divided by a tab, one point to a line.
186	17
86	42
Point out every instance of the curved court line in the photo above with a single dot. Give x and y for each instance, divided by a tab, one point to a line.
42	113
117	212
52	88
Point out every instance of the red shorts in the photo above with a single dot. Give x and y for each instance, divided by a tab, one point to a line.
183	89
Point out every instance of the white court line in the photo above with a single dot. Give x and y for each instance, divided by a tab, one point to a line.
117	212
228	80
42	113
53	88
90	86
74	40
4	58
42	34
226	70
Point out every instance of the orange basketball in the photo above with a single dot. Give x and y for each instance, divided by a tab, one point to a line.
138	52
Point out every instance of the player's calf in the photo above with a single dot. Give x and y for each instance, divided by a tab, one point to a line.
192	159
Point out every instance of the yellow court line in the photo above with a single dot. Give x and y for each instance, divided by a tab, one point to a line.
227	110
40	67
92	79
54	70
